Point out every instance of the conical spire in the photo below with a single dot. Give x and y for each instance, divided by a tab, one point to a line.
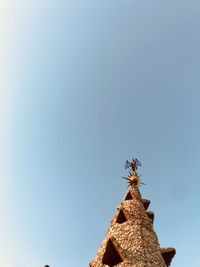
131	240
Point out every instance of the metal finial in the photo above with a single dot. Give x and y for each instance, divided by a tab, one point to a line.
133	177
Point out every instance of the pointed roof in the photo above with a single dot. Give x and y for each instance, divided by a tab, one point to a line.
131	240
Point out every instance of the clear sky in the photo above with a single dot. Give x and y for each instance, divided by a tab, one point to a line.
85	85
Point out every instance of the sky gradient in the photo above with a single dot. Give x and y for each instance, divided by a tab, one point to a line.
84	86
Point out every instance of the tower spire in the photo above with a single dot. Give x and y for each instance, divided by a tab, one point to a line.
133	177
131	240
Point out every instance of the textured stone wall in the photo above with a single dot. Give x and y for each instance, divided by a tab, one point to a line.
135	240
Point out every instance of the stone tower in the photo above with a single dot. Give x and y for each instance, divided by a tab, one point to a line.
131	240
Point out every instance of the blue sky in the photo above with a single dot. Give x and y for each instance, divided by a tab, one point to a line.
84	86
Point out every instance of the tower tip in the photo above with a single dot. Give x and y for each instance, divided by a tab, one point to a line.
133	178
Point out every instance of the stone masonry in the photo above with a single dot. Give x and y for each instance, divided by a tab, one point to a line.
131	240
